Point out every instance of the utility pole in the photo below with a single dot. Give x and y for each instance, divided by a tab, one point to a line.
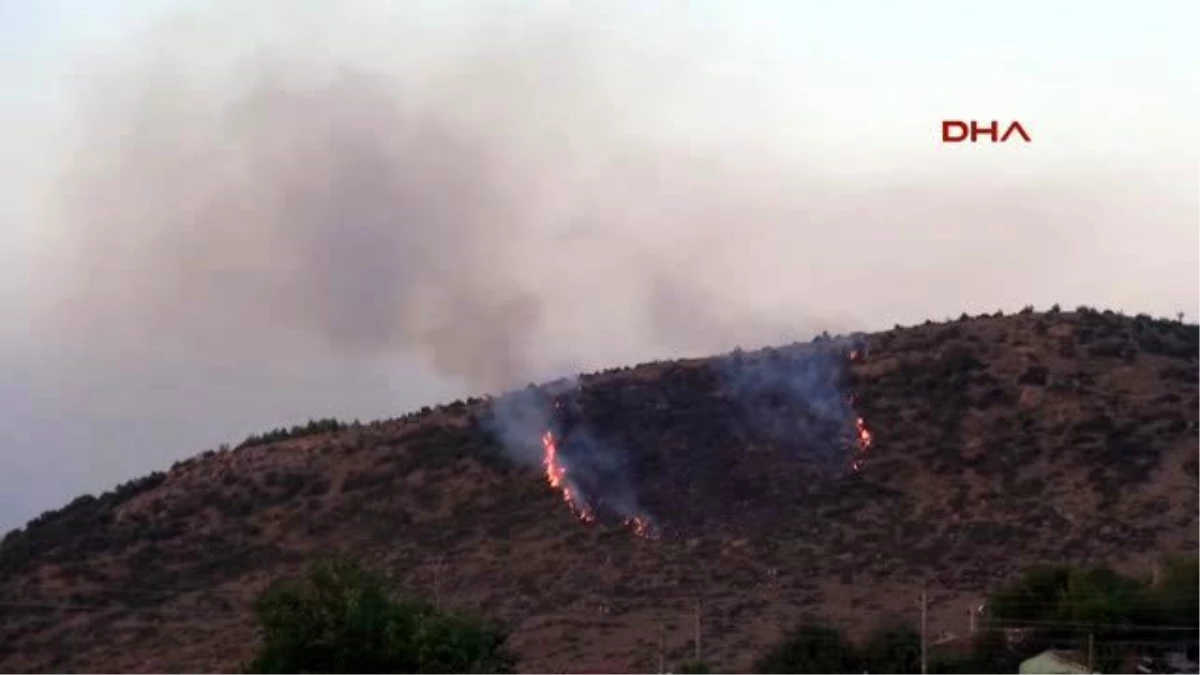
610	584
438	563
1091	652
972	615
924	633
662	646
697	630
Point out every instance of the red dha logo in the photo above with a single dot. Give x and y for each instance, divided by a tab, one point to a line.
955	131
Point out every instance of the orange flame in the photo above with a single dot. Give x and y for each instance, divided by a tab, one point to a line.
556	475
861	432
640	526
864	434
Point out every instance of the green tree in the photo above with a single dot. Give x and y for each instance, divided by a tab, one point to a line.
340	619
810	648
1175	596
1032	597
1065	606
695	667
1098	597
894	647
1071	596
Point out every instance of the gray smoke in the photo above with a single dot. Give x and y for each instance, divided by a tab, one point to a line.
797	394
596	471
463	211
502	207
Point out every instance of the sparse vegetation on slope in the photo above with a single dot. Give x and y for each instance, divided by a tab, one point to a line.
998	442
341	618
310	428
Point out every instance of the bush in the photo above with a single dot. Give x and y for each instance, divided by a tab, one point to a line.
892	648
697	667
311	428
810	648
340	619
1067	603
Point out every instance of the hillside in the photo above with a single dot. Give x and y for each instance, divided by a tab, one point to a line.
994	442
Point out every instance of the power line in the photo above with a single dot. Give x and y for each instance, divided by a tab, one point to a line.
1084	624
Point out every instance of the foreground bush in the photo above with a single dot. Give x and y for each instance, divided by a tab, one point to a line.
811	648
340	619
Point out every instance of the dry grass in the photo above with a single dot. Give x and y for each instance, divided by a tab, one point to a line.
999	441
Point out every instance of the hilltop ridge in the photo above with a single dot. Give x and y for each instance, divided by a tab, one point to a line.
994	442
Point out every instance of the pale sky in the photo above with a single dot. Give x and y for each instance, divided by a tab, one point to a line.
220	217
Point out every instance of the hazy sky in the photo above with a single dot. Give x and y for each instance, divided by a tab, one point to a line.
219	217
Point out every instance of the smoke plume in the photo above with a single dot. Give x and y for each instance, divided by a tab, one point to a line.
514	202
595	472
796	394
451	212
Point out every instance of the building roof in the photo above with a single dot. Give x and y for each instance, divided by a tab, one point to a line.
1059	661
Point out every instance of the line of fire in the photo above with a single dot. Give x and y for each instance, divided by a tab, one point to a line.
568	414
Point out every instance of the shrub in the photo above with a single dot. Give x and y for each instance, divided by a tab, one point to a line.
695	667
810	648
311	428
340	619
892	648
